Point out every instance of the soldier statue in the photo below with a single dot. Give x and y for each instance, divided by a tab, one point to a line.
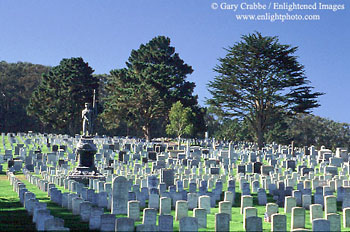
86	114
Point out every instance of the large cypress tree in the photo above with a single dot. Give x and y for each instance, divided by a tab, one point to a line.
144	91
61	95
258	78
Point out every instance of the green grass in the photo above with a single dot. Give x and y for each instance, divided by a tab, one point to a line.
10	203
13	216
71	221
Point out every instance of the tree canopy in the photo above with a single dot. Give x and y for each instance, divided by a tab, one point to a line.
227	129
303	129
143	92
179	120
61	95
260	93
308	129
258	79
17	82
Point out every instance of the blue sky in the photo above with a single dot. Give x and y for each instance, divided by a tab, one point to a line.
104	32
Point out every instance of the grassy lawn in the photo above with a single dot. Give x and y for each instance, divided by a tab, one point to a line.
10	206
71	221
13	216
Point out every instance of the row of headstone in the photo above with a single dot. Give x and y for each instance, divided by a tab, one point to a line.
85	204
42	218
182	169
106	222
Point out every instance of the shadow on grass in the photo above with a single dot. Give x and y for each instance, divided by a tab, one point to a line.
238	199
339	206
14	217
73	222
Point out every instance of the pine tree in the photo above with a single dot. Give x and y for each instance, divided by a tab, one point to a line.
143	92
60	97
257	78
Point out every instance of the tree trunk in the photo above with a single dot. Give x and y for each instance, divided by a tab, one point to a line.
260	137
178	142
147	132
260	131
74	127
71	128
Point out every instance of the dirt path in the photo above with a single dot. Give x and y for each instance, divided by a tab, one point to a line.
21	177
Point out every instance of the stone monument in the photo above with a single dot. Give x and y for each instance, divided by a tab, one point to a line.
86	149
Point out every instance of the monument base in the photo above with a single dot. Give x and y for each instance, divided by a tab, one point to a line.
84	179
86	150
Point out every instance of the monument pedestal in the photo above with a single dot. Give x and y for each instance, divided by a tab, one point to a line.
86	150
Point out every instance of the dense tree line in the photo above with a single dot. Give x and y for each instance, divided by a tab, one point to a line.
135	100
17	82
260	94
303	129
309	129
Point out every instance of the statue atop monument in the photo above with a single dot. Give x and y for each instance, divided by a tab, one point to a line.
86	149
87	116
